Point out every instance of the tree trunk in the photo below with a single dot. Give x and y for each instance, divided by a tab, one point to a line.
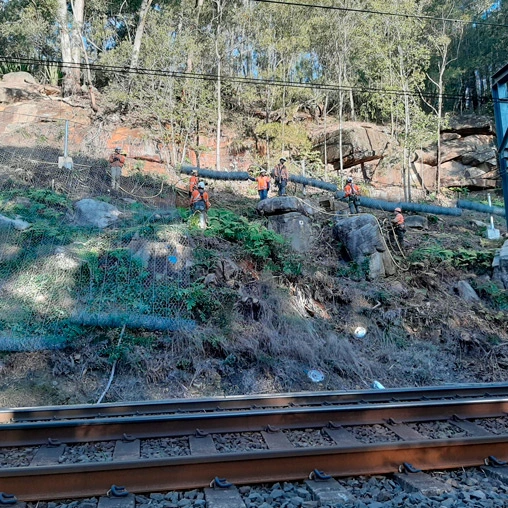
70	66
325	140
143	11
219	104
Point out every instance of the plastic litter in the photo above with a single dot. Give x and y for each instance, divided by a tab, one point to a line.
378	386
360	332
316	376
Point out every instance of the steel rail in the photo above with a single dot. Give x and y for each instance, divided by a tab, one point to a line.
244	402
77	431
93	479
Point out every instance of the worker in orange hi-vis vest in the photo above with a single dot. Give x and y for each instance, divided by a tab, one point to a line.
263	181
200	203
399	226
193	182
352	193
199	199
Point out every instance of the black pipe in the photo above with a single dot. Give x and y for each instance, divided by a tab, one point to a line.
216	175
479	207
377	204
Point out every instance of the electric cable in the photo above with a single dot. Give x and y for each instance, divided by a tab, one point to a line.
244	80
382	13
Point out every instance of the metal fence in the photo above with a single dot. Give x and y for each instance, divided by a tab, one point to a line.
58	275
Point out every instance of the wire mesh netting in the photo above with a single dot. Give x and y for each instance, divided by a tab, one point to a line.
59	270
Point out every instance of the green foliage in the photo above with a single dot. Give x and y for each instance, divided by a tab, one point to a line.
462	192
284	136
464	259
257	241
491	291
212	305
355	270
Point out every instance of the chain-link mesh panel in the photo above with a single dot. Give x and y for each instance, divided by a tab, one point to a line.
57	273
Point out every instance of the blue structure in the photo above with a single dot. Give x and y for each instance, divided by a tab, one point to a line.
500	96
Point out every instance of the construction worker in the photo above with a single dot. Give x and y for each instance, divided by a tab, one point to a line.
199	199
281	176
399	226
193	182
116	162
352	193
263	181
199	202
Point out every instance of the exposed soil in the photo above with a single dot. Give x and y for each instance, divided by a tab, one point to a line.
419	331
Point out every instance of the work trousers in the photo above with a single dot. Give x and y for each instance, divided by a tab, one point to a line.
116	173
354	204
282	187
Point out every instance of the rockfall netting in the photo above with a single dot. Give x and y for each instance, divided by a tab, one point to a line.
59	275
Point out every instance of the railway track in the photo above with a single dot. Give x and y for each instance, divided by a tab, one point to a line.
80	451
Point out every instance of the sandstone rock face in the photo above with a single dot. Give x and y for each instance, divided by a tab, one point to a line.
361	142
362	239
468	157
24	103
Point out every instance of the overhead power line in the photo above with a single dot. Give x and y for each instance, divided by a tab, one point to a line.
381	13
236	79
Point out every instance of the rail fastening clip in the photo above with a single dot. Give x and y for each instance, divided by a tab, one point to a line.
220	483
117	491
406	467
6	499
494	462
319	476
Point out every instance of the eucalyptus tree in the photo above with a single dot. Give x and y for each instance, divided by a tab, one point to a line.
444	37
398	58
338	44
282	53
27	32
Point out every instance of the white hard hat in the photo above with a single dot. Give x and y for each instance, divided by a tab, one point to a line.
201	185
398	210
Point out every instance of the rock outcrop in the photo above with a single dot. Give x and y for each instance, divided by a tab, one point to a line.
361	238
371	155
289	217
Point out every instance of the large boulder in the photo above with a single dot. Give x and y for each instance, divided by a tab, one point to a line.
362	239
171	258
284	204
295	227
19	224
90	212
361	142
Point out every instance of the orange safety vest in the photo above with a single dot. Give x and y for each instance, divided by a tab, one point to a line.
263	182
197	196
117	160
193	183
398	220
351	190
